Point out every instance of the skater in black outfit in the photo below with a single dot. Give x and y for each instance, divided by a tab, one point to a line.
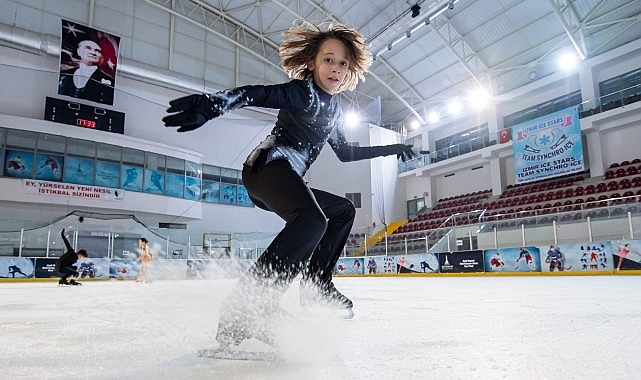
322	63
65	264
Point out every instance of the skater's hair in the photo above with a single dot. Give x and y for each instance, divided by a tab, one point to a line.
82	252
302	43
144	240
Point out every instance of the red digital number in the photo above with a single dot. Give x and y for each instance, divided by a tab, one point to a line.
86	123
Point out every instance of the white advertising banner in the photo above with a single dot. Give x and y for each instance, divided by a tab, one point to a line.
58	189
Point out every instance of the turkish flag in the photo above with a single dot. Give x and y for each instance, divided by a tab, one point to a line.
505	136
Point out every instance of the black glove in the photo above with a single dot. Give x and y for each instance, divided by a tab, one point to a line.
404	152
193	111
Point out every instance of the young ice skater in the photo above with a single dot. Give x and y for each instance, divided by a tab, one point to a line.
144	275
65	263
323	61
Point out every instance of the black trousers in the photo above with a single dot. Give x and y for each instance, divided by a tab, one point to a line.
66	272
317	226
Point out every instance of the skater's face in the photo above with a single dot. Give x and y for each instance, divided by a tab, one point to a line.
330	65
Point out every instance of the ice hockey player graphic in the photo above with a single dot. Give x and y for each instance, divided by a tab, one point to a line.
526	256
323	60
371	266
555	259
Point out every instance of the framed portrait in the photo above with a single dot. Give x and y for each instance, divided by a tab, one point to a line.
88	63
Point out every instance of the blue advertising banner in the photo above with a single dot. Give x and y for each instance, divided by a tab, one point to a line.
548	146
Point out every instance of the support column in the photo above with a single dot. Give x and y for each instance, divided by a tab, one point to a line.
595	158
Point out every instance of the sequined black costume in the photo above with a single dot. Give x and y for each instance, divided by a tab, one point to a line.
318	223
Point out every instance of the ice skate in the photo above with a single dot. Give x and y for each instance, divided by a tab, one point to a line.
324	293
75	283
63	283
240	322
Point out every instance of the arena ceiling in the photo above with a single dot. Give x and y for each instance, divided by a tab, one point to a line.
447	50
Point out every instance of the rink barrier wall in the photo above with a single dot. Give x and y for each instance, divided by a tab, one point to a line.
591	258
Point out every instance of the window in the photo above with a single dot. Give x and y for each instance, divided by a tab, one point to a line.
82	148
51	143
26	154
21	139
355	198
414	206
542	109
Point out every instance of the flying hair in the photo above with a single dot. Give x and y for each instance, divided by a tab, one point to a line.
303	40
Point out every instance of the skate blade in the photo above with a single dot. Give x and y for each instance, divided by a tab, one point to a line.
230	354
350	314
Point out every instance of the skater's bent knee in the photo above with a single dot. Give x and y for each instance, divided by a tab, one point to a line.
315	223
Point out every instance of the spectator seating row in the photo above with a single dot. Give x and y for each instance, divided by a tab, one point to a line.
565	198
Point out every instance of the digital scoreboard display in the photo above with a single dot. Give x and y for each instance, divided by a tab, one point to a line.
83	115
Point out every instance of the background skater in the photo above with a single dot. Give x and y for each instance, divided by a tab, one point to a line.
65	263
144	275
323	62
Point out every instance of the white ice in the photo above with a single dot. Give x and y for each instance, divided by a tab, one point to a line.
541	327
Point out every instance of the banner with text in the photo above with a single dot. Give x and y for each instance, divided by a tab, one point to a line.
548	146
57	189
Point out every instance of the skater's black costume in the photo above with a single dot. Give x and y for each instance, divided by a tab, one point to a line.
65	263
318	223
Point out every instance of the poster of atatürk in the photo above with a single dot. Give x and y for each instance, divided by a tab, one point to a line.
88	63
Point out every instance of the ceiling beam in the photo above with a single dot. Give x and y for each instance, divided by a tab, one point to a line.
571	24
455	42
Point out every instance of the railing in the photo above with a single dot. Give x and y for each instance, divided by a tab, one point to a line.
587	108
615	218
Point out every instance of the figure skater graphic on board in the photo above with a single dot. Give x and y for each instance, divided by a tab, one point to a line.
623	252
51	164
14	269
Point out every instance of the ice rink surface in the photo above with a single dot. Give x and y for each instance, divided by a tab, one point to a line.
540	327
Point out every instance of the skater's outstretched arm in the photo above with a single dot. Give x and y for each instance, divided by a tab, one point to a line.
346	152
192	111
64	238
